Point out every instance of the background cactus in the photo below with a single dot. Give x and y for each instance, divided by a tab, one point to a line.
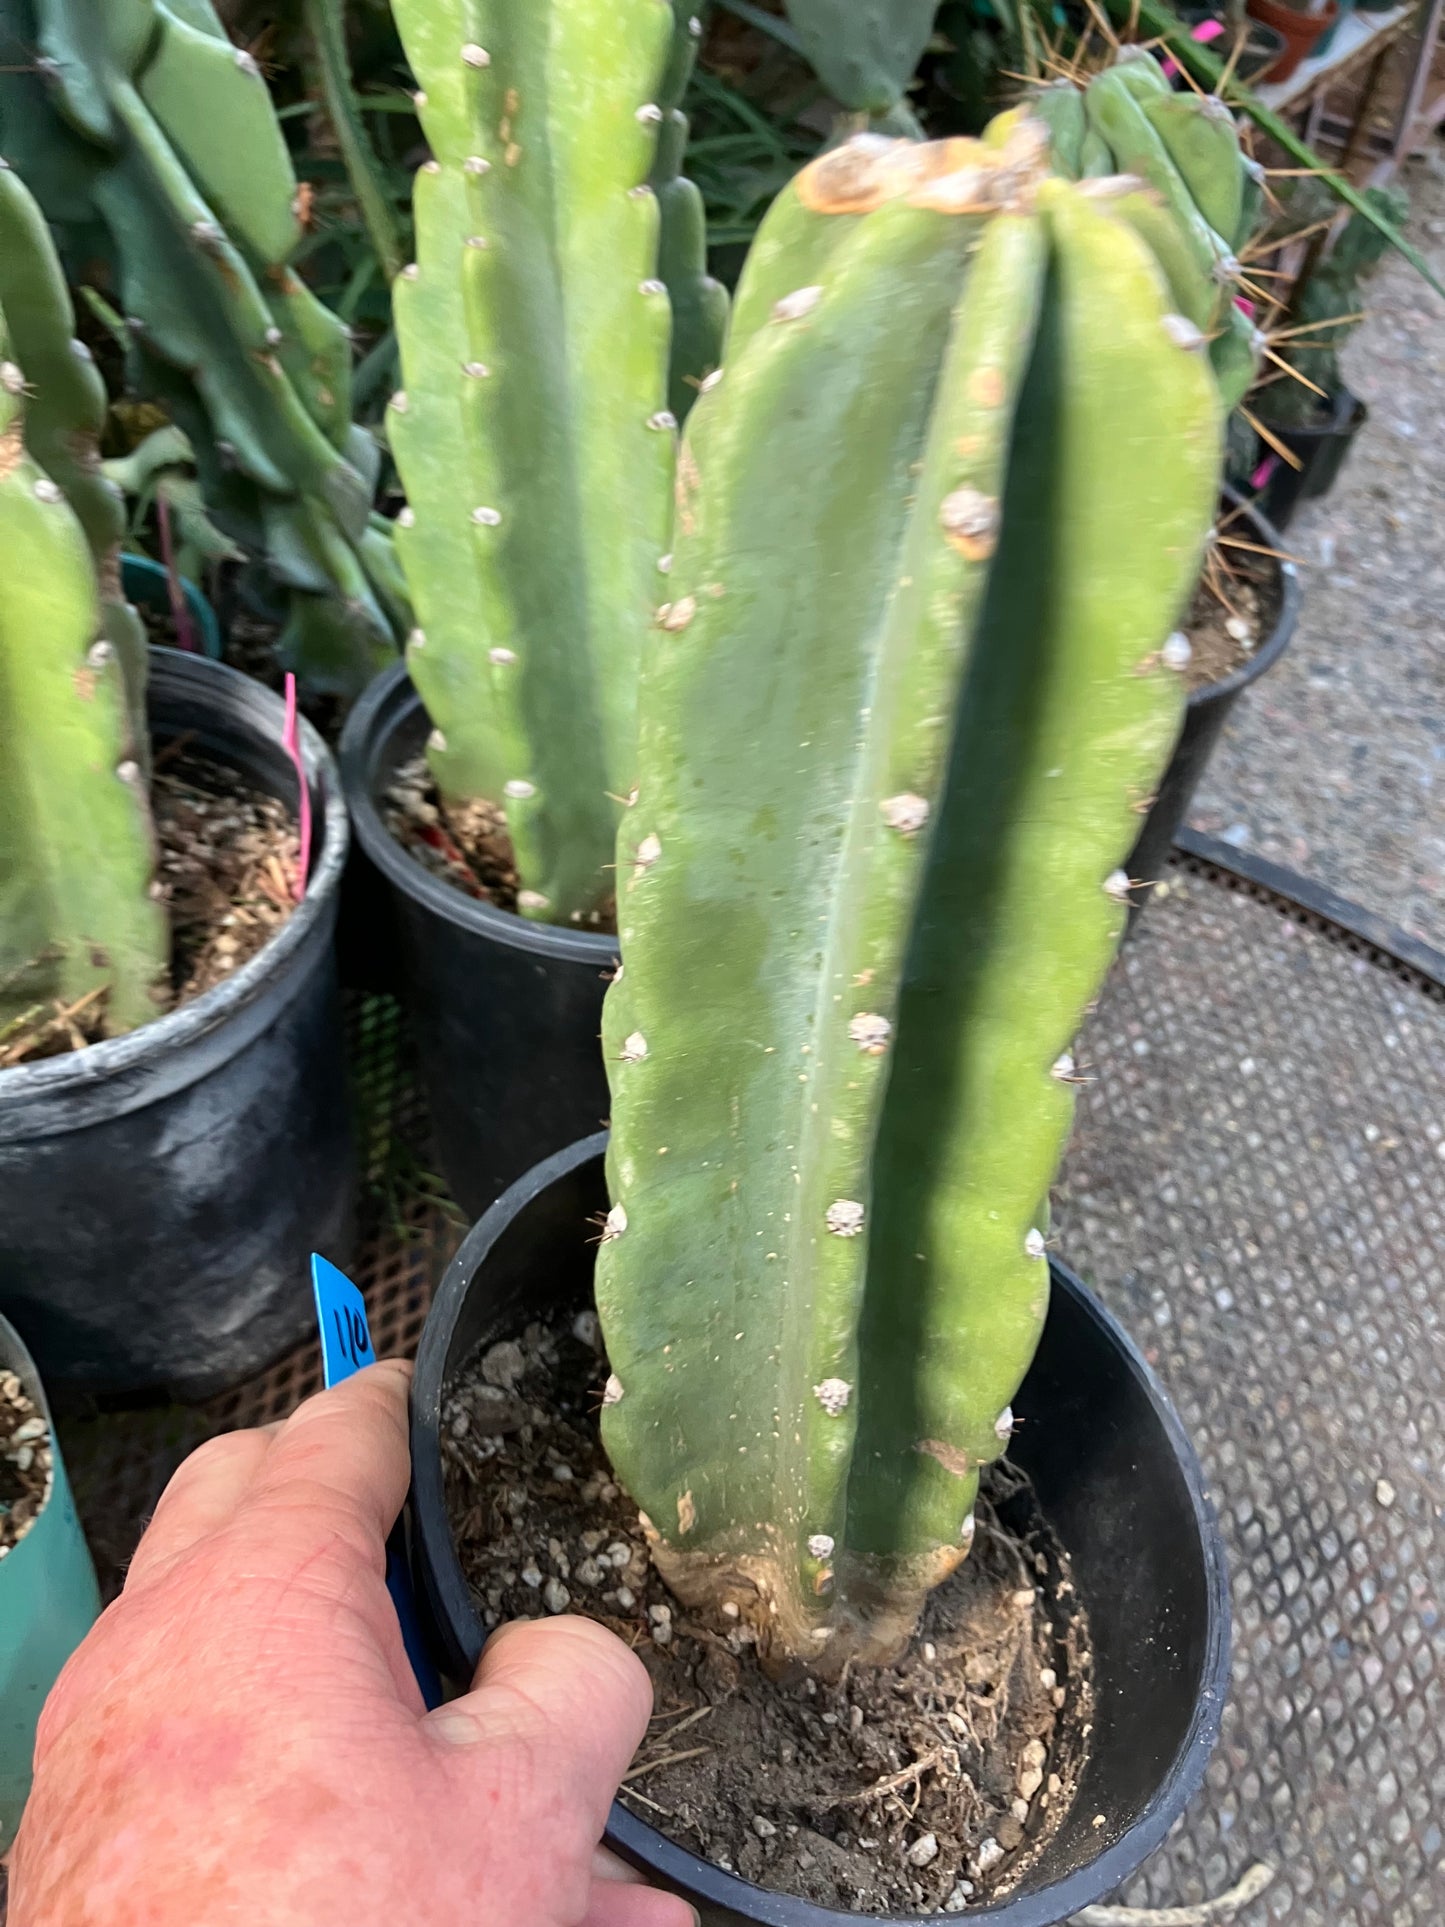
864	51
532	431
699	304
1200	195
1327	305
76	917
914	682
65	405
142	117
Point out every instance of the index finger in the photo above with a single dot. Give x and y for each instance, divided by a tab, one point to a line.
342	1460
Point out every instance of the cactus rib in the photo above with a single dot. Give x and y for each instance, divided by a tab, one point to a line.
1203	142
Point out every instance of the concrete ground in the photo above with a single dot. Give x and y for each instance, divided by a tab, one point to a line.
1335	763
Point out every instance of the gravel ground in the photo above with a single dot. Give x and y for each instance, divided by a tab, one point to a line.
1335	763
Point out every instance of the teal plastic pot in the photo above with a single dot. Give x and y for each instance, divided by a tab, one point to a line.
147	584
48	1603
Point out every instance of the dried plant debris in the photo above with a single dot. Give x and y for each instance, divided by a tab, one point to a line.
464	843
225	875
928	1786
26	1463
1234	609
228	856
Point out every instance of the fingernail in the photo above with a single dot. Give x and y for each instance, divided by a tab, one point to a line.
456	1728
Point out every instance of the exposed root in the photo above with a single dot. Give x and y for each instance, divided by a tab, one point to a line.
1203	1915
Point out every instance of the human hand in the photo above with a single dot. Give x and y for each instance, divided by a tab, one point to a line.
241	1740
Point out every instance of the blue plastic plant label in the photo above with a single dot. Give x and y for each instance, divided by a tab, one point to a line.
345	1349
341	1321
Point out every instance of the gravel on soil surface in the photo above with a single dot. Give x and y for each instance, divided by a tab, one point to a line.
1334	763
25	1462
917	1786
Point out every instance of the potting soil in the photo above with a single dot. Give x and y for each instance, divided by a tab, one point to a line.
226	871
1232	613
464	843
931	1784
227	868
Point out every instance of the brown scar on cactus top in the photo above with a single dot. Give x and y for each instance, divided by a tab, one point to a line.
957	176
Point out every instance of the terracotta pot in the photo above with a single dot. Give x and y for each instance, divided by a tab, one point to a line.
1300	31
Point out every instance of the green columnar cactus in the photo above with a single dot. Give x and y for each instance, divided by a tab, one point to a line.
532	431
699	304
76	917
64	415
1199	192
142	114
864	51
936	520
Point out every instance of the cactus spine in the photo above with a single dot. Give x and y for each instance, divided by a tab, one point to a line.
532	432
143	114
1197	197
75	844
935	524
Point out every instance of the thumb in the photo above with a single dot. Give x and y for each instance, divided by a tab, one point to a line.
536	1750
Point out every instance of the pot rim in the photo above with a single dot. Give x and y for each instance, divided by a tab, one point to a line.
1285	622
1348	414
387	702
645	1845
115	1057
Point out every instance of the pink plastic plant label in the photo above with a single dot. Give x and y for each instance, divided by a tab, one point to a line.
1206	31
291	743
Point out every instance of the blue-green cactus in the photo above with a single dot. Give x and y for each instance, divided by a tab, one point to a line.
864	51
142	115
914	677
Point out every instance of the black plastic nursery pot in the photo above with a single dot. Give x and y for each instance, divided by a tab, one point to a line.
1115	1476
506	1013
1321	448
1204	718
160	1192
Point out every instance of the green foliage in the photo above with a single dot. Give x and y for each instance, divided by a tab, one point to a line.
865	51
77	923
742	153
142	115
913	680
326	24
532	432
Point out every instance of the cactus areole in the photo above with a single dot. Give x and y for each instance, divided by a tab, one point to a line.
935	523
